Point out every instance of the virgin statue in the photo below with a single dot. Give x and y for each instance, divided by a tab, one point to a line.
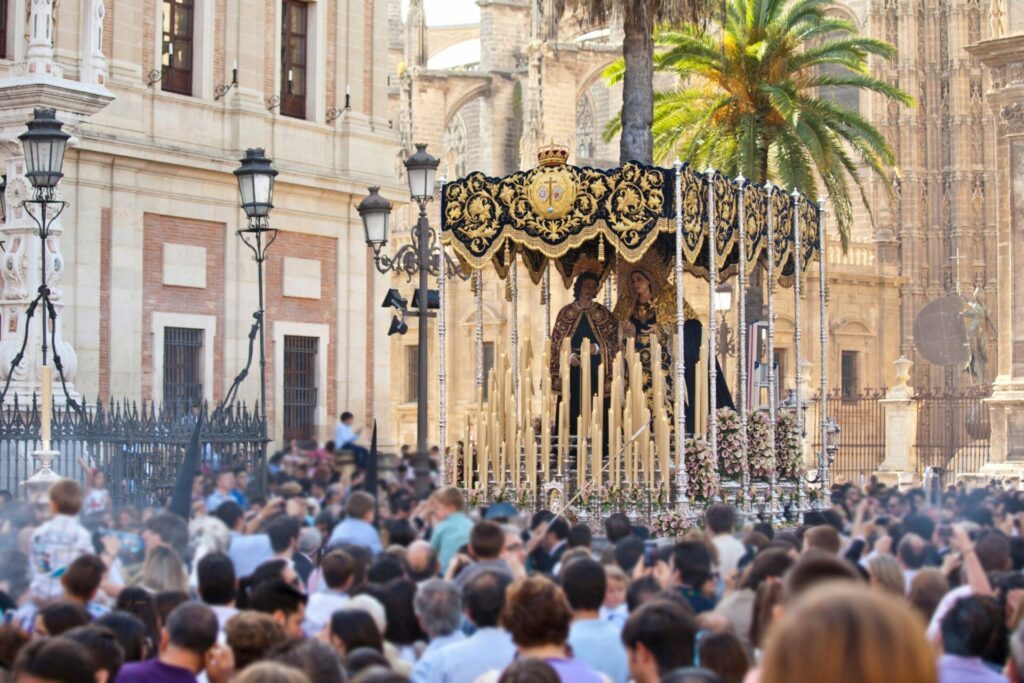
646	310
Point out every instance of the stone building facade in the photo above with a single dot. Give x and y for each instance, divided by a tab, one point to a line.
156	294
486	93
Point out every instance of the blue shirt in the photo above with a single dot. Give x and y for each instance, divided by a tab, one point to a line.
486	650
249	552
421	670
214	500
449	535
598	643
356	532
344	435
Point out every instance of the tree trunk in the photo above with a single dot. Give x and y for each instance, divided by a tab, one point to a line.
636	142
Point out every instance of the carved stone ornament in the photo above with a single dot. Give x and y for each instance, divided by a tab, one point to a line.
1011	116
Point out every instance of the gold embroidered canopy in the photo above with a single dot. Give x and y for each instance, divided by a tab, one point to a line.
565	213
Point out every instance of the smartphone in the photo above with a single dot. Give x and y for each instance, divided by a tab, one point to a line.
882	520
649	548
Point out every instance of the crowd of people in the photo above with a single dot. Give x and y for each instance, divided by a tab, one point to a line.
318	580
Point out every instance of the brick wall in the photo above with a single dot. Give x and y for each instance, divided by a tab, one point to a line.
322	311
158	297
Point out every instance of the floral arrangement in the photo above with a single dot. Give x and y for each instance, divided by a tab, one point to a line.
669	524
475	497
730	444
522	498
787	446
759	453
701	470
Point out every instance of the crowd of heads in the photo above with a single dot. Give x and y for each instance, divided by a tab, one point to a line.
321	578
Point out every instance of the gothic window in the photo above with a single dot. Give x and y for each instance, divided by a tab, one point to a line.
586	145
294	29
178	23
455	147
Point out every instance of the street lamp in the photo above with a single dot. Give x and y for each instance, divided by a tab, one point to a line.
256	188
831	448
423	256
723	304
43	144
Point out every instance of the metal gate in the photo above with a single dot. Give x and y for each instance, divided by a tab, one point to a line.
953	430
861	419
300	391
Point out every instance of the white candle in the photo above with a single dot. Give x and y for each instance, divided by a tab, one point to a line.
234	65
348	90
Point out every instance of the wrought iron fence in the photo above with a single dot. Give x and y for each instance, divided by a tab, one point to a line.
861	420
138	446
953	430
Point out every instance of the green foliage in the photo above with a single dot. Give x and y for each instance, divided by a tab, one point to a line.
750	99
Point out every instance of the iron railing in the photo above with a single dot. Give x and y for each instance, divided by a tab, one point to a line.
861	419
953	431
139	446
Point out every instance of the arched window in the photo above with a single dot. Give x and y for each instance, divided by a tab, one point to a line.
586	144
455	147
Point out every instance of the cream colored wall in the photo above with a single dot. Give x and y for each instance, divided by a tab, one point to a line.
158	152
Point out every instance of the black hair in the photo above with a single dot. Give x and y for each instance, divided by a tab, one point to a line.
316	659
580	536
560	528
63	616
55	659
229	512
276	595
346	416
617	527
192	626
640	591
216	577
403	628
969	627
385	568
584	583
172	529
577	286
356	629
665	630
628	552
693	562
282	530
102	645
483	597
130	632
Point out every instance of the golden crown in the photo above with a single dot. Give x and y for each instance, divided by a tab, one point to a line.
552	155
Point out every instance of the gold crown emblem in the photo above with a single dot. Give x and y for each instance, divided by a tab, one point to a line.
552	155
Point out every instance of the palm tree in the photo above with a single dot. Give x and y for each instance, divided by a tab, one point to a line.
639	18
754	99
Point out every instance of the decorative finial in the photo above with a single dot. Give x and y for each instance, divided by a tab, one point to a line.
552	155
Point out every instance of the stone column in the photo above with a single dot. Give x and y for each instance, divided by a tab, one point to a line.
1005	58
899	466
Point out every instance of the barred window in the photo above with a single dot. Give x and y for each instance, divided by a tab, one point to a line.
183	368
300	390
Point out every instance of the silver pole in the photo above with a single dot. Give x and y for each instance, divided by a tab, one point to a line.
712	323
442	375
741	315
682	481
545	296
479	275
773	407
797	337
823	338
514	328
608	292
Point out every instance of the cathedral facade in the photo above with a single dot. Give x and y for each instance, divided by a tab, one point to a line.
487	92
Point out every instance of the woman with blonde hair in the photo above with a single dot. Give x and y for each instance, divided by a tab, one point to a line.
885	574
163	570
844	633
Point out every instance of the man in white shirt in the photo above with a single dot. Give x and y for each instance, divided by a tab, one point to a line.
720	519
337	572
345	439
218	587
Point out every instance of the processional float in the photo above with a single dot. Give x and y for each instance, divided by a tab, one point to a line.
630	451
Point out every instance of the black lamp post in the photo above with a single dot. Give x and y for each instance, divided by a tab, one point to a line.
43	143
423	257
256	188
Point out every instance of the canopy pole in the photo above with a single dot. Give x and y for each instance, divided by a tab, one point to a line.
741	361
545	296
442	375
775	511
798	378
712	328
479	294
682	481
823	474
514	326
